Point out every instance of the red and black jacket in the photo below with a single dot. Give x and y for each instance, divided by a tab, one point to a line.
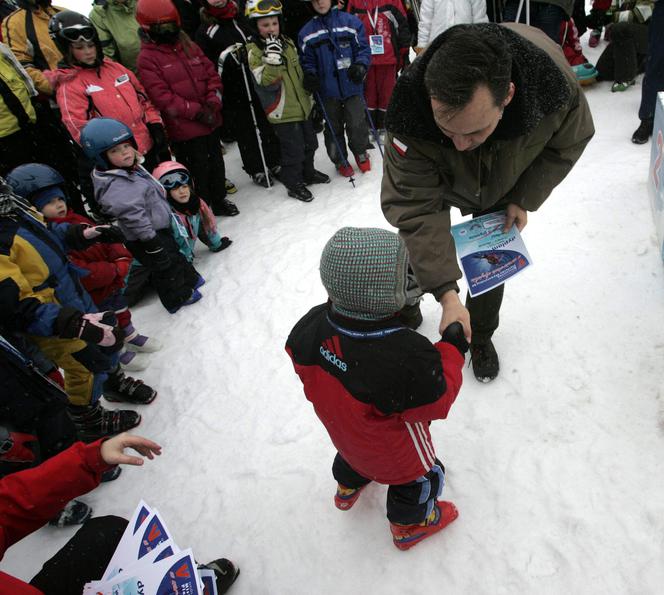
375	386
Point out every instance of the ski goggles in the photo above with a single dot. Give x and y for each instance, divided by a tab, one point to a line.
174	179
167	27
78	33
265	6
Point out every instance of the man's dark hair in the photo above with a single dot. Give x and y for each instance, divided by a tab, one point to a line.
469	57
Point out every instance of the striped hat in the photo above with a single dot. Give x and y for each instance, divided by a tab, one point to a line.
364	271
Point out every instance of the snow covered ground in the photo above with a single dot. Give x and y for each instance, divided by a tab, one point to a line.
557	467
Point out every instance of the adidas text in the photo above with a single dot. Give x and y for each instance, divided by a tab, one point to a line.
333	359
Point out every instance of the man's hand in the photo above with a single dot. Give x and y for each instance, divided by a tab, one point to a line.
515	214
454	311
112	450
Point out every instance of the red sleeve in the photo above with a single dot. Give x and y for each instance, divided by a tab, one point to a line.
102	274
73	104
152	115
29	499
452	370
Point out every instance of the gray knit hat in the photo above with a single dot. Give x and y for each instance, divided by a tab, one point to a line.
364	272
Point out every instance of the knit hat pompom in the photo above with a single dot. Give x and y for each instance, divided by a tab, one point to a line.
364	271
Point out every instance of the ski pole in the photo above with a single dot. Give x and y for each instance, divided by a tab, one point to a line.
372	126
334	136
256	129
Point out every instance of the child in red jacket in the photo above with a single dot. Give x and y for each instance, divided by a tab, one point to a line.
108	266
388	34
375	384
185	86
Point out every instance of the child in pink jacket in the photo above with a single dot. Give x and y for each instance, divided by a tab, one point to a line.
90	85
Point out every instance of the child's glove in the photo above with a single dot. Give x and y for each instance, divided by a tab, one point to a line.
207	115
225	243
91	328
453	334
311	83
273	51
106	234
14	446
356	73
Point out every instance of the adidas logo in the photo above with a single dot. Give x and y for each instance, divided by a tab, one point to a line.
329	350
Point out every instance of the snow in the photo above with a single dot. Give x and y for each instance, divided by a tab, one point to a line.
556	466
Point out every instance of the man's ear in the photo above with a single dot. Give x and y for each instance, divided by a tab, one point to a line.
510	95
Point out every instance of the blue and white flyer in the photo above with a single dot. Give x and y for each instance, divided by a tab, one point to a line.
488	256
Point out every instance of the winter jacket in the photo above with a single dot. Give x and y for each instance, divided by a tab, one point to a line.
437	16
110	91
215	36
100	261
118	30
201	225
16	89
542	133
388	19
25	31
280	87
135	199
328	42
36	276
180	84
375	386
29	499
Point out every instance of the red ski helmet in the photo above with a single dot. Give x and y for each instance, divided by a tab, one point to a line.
155	12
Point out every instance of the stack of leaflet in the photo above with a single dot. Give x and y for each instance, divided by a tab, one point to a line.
148	562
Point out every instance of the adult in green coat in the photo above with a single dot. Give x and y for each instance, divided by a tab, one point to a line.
489	117
116	25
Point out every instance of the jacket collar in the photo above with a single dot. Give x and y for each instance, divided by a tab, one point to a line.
363	329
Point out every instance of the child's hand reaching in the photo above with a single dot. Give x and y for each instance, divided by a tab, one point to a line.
273	51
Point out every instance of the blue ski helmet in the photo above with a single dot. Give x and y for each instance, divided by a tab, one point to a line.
101	134
28	179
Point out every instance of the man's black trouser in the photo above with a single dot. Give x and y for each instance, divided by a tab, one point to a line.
83	558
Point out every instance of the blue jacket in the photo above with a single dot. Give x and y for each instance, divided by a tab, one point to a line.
325	42
37	278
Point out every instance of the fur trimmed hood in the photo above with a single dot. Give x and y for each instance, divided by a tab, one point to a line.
541	89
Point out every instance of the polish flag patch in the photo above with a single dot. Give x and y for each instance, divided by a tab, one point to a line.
400	147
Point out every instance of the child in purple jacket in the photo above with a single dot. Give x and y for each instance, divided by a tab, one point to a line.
127	192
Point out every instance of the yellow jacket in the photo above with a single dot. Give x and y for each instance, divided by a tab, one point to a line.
13	82
15	36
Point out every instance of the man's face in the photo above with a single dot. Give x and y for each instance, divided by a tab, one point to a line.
470	127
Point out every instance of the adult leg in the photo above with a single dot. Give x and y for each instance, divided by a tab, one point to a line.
83	558
606	64
548	18
485	313
653	81
623	40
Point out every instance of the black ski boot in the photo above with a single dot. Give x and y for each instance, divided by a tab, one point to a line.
301	192
485	361
317	177
643	132
225	208
75	513
94	422
120	388
225	573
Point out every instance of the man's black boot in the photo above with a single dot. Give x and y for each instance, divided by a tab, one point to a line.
485	361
